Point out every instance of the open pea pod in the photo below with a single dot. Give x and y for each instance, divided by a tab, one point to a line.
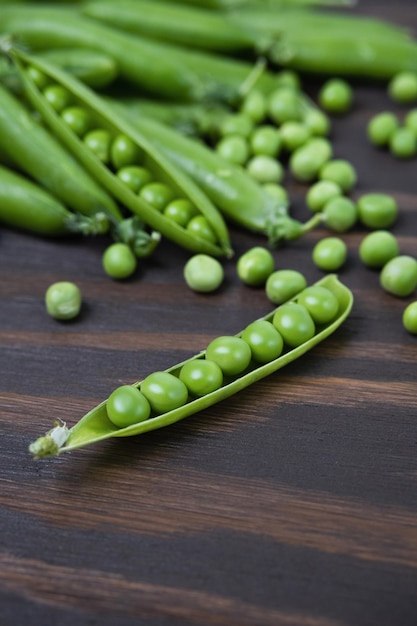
208	234
96	426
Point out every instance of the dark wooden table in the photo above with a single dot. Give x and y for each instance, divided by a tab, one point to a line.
293	503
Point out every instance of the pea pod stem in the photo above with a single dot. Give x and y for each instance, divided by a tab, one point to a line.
95	425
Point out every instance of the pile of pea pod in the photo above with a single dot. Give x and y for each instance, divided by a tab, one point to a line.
169	119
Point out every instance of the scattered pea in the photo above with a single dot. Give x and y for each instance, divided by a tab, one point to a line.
293	135
341	172
63	300
236	124
377	210
399	276
377	248
330	254
203	273
233	148
410	120
254	106
265	169
317	122
403	87
284	105
282	285
336	96
255	265
278	192
410	318
403	143
340	214
265	140
119	261
381	128
307	161
320	193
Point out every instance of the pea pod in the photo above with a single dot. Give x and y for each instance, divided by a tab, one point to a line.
92	67
95	426
152	160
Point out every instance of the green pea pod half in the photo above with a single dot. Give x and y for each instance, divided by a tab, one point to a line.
95	425
145	155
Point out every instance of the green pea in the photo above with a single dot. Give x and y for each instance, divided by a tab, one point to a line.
231	353
377	210
306	161
284	105
254	266
203	273
320	302
99	141
403	143
265	140
282	285
410	318
164	392
294	323
200	227
381	128
126	405
340	214
124	152
63	300
317	122
77	119
119	261
330	254
341	172
201	376
410	120
288	78
236	124
158	195
180	211
134	176
254	106
403	87
265	169
264	340
278	192
320	193
293	135
399	276
336	96
58	97
233	148
40	79
377	248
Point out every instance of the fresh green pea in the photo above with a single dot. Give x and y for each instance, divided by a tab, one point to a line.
231	353
282	285
317	122
180	211
294	323
336	96
201	376
134	176
157	194
410	120
254	106
306	161
340	214
293	135
236	124
203	273
410	318
278	192
200	227
77	119
288	78
320	193
255	265
265	169
124	152
403	143
341	172
265	140
126	405
164	391
99	142
377	248
119	261
377	210
264	340
63	300
399	276
40	79
330	254
381	128
284	105
403	87
233	148
320	302
57	96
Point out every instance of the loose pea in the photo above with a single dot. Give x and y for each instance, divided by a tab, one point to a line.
201	376
320	193
381	128
134	176
282	285
288	78
341	172
336	96
265	169
340	214
320	302
317	122
265	140
63	300
403	87
157	194
124	152
58	97
276	191
231	353
410	318
294	323
254	106
377	210
254	266
293	135
180	211
284	105
399	276
164	391
99	141
403	143
77	119
200	227
377	248
330	254
236	124
233	148
126	405
410	120
264	340
119	261
307	160
203	273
